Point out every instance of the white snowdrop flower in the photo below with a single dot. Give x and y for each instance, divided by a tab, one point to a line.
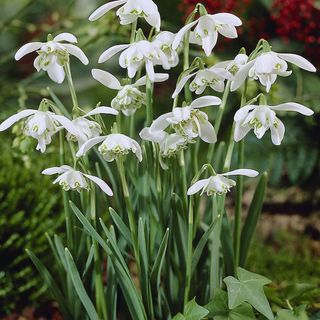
135	56
213	77
268	66
189	121
235	65
169	144
129	98
71	179
88	129
219	184
113	146
163	41
130	11
262	118
53	55
41	125
207	28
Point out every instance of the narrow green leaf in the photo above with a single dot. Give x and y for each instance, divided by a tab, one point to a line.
227	246
124	230
203	241
51	284
88	262
252	218
78	285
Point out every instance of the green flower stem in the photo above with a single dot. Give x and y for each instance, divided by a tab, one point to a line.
99	292
186	65
182	165
218	120
129	208
133	31
239	191
149	101
189	253
75	108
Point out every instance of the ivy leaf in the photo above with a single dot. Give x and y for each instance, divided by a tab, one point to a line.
298	313
248	288
219	310
192	311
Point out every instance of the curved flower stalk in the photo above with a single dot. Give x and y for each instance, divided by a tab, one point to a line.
88	129
163	41
219	184
113	146
129	98
268	66
53	55
135	56
207	28
262	118
41	125
189	122
71	179
131	11
213	77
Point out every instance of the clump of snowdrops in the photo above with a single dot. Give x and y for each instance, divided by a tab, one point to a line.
147	230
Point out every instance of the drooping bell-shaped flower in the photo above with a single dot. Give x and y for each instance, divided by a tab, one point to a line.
130	11
213	77
71	179
163	41
113	146
189	122
268	66
129	98
88	129
135	56
53	55
261	118
207	28
41	125
219	184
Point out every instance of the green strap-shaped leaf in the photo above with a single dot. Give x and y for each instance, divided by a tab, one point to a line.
78	285
125	232
252	218
248	288
203	241
51	284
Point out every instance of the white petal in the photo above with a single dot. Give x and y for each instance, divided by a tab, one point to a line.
277	133
197	186
65	36
137	151
209	42
179	36
182	83
298	60
109	53
27	48
66	123
98	13
103	186
150	70
243	112
15	118
89	144
158	77
106	78
227	18
55	170
56	73
161	122
205	101
241	76
207	132
154	20
228	31
242	172
293	106
102	110
154	136
77	52
240	131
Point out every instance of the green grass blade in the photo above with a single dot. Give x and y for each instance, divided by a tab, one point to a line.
51	284
252	218
78	285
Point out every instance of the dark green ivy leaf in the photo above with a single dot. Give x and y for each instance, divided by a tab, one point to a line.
192	312
248	288
298	313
